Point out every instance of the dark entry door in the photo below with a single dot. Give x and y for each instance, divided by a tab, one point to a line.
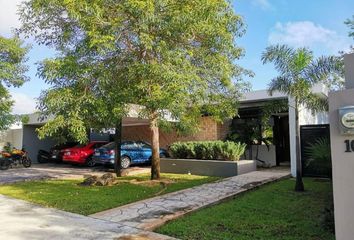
316	151
281	139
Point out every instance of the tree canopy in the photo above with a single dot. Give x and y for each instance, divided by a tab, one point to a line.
299	71
12	73
350	24
173	57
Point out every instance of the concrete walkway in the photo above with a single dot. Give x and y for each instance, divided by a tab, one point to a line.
152	213
21	220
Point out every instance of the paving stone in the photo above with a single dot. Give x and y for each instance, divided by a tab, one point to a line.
151	213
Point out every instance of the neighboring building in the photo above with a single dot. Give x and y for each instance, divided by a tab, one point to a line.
135	128
12	136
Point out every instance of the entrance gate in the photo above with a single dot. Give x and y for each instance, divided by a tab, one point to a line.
316	151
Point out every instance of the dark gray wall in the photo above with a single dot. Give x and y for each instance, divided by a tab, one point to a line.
32	143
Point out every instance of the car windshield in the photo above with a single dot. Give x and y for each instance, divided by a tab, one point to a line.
143	144
127	144
109	146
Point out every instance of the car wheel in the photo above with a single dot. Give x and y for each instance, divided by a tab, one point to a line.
125	162
90	162
162	155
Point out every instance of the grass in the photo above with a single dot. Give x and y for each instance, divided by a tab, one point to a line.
69	196
272	212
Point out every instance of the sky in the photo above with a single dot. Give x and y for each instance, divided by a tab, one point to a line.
317	24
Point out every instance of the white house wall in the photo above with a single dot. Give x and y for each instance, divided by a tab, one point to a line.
12	136
307	118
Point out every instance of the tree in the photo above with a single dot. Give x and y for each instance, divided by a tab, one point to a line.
12	73
175	58
299	72
350	24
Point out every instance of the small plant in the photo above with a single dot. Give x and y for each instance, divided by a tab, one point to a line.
319	154
232	151
208	150
8	147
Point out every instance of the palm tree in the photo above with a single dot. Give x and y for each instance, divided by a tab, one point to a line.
299	72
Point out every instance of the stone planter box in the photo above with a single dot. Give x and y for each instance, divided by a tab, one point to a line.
207	167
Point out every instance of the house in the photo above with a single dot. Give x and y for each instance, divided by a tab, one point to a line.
283	151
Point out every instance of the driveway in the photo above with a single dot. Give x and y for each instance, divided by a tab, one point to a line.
22	220
47	171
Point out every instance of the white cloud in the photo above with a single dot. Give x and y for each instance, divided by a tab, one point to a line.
308	34
24	104
263	4
8	16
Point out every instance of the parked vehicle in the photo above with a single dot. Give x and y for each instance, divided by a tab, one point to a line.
57	152
43	156
138	152
14	158
82	154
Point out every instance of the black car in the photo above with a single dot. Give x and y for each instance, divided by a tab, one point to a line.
55	154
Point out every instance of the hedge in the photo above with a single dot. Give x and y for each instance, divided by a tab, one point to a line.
211	150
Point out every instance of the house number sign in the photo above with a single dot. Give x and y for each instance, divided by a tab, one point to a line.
349	145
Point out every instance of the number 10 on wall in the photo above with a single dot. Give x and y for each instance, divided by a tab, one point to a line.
349	145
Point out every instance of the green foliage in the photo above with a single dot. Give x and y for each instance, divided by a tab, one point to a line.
211	150
299	72
8	147
247	132
24	119
320	150
166	55
350	23
12	59
6	103
319	156
12	74
257	130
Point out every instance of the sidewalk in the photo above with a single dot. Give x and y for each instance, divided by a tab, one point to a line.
152	213
22	220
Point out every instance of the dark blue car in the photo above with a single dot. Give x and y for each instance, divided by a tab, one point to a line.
138	152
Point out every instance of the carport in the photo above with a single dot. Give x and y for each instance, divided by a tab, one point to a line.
33	144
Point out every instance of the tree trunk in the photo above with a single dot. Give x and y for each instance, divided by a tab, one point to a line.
155	145
299	186
118	143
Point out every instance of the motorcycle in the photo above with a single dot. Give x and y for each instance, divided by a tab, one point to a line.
15	158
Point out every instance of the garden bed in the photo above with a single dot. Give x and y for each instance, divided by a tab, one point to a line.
207	167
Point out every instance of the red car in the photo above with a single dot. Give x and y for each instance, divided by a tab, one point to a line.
82	154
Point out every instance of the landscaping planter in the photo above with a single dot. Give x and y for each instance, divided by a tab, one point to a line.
207	167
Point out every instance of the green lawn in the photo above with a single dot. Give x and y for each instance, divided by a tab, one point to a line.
273	211
69	196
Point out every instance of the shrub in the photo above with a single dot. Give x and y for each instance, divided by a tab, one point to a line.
319	156
208	150
232	151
